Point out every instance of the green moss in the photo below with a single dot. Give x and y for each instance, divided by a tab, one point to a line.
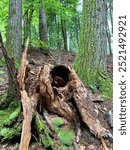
98	81
106	87
39	123
45	141
43	132
57	122
66	136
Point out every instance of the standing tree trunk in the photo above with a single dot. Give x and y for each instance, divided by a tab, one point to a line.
64	33
27	23
109	25
111	13
101	39
14	43
43	29
92	56
109	39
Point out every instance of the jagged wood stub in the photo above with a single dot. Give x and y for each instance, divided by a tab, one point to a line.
26	103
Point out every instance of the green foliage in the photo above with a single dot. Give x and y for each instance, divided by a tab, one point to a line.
9	133
3	99
2	62
66	136
57	122
43	132
55	10
17	63
3	17
39	44
8	116
14	115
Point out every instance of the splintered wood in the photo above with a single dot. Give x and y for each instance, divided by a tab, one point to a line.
26	103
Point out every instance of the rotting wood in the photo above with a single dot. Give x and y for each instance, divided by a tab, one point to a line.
69	100
26	103
56	89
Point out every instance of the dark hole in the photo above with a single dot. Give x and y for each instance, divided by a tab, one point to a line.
60	76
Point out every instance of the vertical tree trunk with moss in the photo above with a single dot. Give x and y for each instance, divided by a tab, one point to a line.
90	63
43	29
14	43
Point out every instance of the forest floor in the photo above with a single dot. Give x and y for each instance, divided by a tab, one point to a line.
65	58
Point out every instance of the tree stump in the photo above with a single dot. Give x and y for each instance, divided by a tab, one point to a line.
59	90
62	92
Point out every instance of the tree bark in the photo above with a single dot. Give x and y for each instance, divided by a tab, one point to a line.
14	32
14	43
43	29
92	53
64	34
13	91
27	22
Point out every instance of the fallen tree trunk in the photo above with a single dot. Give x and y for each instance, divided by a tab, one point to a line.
56	89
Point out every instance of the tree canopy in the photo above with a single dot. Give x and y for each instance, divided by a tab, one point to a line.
63	20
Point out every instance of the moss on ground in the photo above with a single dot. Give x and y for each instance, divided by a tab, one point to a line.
43	132
57	122
66	136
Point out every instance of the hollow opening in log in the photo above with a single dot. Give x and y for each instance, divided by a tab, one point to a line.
60	76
